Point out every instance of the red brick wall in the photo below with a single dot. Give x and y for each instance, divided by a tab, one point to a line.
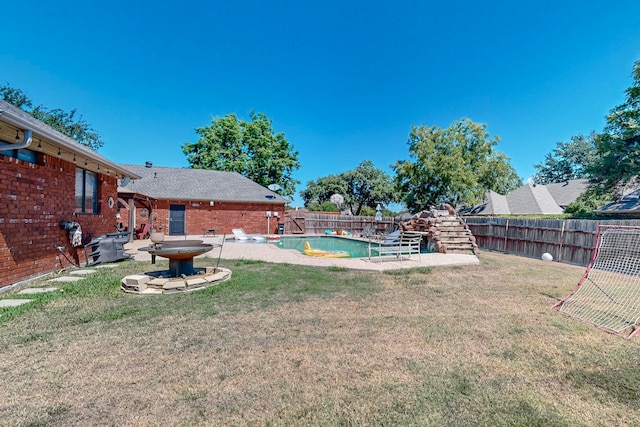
35	198
222	215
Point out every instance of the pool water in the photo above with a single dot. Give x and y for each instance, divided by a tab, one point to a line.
356	248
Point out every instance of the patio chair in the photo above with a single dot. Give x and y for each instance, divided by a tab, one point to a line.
390	229
399	245
368	231
390	232
143	231
391	237
240	235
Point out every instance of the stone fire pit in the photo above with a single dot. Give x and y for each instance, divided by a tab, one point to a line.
181	276
180	254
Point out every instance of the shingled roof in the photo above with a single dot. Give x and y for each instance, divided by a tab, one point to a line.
55	143
494	204
567	192
628	204
166	183
530	199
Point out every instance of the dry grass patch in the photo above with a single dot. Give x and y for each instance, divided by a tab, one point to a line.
292	345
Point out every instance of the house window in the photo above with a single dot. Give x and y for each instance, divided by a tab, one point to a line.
23	154
86	191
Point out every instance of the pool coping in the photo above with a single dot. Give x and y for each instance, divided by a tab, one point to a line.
271	253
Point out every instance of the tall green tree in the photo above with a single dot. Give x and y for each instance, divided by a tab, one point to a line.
569	160
368	186
572	160
318	193
364	186
251	148
15	97
618	146
70	124
590	200
456	165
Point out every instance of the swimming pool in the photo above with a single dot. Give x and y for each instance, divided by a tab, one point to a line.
356	248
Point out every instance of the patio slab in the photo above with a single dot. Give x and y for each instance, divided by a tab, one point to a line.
13	302
82	272
66	279
271	253
37	290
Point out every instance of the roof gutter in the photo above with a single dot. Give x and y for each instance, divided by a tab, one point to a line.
61	140
127	191
24	144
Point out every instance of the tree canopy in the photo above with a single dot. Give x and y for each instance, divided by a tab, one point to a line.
319	192
456	165
569	160
69	124
364	186
249	148
618	147
15	97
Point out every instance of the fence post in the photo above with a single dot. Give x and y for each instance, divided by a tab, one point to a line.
561	242
490	234
506	236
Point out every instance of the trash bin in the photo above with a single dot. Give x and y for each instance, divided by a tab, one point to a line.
281	228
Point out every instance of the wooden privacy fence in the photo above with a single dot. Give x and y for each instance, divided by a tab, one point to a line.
570	240
315	223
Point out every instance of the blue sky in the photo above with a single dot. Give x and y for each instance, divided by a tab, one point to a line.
343	80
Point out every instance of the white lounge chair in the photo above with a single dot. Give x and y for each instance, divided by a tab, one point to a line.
239	234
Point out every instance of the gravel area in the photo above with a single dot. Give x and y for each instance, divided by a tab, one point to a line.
271	253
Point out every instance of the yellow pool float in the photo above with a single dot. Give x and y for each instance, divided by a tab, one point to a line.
309	251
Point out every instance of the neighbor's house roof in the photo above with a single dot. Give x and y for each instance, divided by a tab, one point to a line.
565	193
530	199
47	140
164	183
494	204
628	204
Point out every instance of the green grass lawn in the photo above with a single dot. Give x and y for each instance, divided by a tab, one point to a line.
282	344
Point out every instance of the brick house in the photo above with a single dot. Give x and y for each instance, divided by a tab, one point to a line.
185	201
48	178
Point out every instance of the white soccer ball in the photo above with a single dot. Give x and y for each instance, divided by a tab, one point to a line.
547	256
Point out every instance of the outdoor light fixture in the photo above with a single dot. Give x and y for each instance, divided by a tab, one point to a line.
59	152
17	136
85	162
74	158
40	145
210	202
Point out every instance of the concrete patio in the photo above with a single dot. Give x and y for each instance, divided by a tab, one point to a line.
271	253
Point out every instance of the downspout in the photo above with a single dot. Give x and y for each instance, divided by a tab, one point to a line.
24	144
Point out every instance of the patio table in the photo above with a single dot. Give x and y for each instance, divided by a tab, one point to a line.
209	230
